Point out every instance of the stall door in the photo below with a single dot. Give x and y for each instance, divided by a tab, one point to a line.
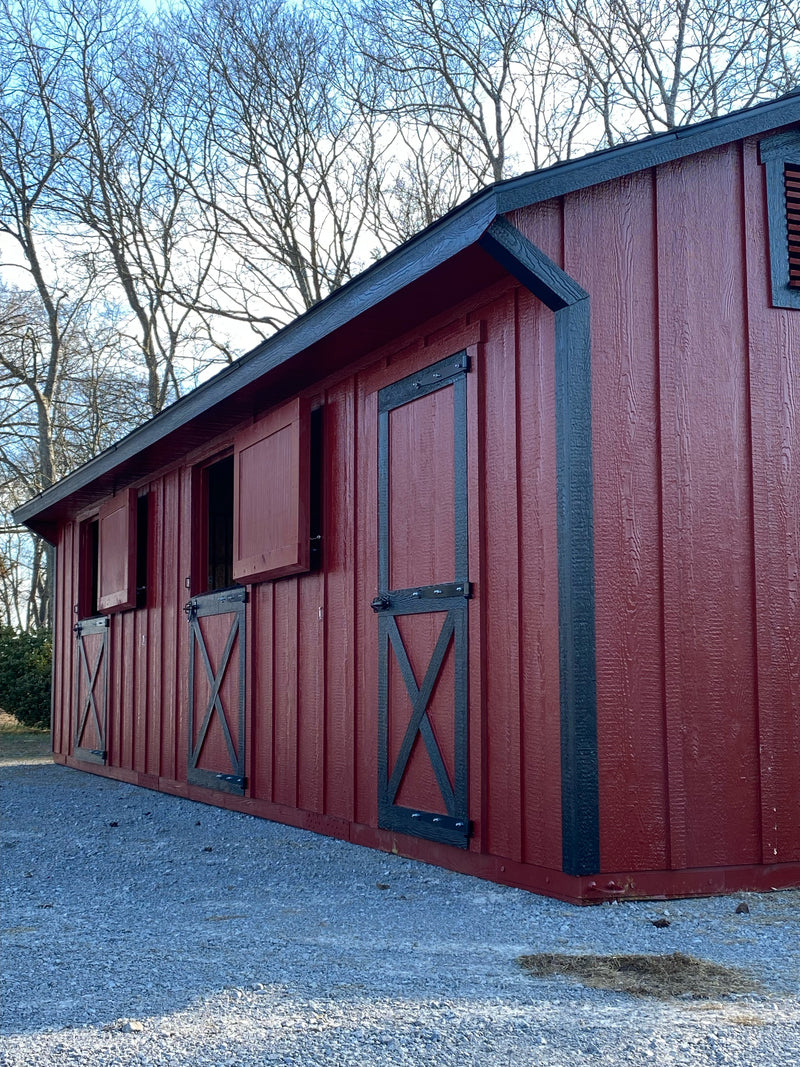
421	604
217	690
91	697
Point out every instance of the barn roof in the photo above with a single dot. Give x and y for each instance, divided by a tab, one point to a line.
444	260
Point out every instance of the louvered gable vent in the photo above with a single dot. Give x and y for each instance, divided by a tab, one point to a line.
791	176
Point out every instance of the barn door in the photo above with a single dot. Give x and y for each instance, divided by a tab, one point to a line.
423	591
91	696
217	690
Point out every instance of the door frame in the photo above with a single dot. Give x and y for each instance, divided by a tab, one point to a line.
469	339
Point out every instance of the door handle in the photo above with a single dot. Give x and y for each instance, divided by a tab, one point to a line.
380	603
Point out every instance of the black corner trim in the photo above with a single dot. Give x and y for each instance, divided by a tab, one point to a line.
576	598
775	152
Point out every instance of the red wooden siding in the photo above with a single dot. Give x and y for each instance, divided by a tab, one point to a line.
697	514
271	489
116	588
696	453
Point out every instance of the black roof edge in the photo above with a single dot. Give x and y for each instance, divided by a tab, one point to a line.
461	227
609	163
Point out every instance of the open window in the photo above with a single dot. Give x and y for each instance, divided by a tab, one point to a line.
217	492
88	573
780	155
272	495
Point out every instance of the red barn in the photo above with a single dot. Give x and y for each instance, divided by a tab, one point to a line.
492	558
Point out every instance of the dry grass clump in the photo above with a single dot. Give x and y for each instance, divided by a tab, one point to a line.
659	976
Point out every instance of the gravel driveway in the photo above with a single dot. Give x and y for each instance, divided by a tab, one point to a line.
143	929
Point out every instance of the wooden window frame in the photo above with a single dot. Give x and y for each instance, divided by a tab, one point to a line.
775	152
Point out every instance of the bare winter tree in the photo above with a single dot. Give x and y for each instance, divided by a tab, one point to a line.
651	65
452	67
130	188
294	155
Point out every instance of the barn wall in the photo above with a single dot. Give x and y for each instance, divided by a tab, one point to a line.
696	451
311	642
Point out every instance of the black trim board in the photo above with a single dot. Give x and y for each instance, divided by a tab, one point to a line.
574	491
441	241
774	153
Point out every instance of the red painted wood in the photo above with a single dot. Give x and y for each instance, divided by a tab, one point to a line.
538	582
707	501
116	586
155	634
696	490
311	694
365	807
338	555
260	714
627	521
284	694
271	485
774	351
501	589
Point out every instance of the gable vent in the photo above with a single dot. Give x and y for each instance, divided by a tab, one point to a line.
791	177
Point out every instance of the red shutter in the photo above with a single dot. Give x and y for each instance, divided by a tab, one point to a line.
116	587
271	495
791	177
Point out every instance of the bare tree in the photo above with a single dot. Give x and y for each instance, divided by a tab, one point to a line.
652	65
452	66
294	156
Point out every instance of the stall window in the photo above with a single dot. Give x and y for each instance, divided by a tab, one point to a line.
142	549
116	565
271	495
218	497
88	574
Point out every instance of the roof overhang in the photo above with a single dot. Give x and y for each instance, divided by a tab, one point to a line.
443	264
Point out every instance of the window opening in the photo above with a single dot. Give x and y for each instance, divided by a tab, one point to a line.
219	533
315	495
142	548
90	569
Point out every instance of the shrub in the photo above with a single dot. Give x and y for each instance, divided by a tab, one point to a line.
25	675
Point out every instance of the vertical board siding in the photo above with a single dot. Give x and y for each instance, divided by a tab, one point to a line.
774	345
311	693
625	448
338	561
500	584
538	585
260	703
284	694
154	604
707	530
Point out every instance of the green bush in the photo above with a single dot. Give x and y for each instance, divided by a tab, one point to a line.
25	675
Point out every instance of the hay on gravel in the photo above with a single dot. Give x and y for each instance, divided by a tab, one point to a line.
676	975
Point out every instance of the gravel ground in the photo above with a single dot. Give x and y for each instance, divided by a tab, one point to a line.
144	929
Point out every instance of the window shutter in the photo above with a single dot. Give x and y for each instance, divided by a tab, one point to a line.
116	534
791	177
271	495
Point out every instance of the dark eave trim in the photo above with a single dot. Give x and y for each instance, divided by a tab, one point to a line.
455	232
610	163
434	246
